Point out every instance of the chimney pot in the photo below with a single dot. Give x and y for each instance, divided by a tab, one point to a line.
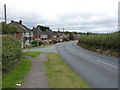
20	21
12	21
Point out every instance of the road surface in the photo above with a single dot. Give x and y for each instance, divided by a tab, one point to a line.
100	71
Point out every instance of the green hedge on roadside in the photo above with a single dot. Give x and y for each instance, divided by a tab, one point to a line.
105	41
11	52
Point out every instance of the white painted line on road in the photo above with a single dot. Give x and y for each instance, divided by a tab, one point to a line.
107	64
84	55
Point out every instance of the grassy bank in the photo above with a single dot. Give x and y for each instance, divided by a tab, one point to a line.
15	76
61	75
32	54
101	43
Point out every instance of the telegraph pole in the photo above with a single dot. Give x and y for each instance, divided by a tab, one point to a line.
5	13
63	29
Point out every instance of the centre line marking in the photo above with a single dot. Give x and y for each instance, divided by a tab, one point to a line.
107	64
84	55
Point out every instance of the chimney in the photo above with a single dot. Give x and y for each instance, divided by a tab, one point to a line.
20	21
33	27
12	21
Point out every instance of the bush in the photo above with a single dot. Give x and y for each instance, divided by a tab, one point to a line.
8	29
54	41
11	52
66	39
40	43
34	43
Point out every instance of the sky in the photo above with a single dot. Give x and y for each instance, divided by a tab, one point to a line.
98	16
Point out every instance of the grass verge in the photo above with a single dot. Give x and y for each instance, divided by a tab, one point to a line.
32	54
15	76
61	75
34	47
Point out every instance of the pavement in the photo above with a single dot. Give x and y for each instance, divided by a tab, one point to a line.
37	77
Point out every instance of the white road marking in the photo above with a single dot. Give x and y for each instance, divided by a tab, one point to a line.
84	55
107	64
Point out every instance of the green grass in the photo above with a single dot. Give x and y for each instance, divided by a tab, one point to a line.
34	47
15	76
61	75
32	54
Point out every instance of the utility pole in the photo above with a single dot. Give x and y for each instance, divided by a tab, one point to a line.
5	13
63	29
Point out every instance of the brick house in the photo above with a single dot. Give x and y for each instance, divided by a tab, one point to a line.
43	35
36	34
39	35
23	33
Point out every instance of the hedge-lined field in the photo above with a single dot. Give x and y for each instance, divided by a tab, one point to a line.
101	41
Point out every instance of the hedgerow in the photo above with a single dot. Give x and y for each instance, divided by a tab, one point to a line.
103	41
11	52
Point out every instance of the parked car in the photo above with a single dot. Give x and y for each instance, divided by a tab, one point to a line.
45	41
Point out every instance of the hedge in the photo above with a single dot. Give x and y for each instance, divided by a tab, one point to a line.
11	52
105	41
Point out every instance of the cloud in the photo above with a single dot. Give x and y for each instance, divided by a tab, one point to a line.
79	15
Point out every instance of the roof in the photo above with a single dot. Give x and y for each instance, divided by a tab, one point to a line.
20	27
35	31
38	31
49	33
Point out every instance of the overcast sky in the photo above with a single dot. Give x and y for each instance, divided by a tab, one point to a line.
73	15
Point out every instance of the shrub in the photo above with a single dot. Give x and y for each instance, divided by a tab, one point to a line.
40	43
11	52
66	39
8	29
54	41
34	43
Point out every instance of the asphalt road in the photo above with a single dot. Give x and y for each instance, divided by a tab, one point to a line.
49	48
99	71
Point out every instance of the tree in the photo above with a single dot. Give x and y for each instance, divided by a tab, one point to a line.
43	28
71	36
8	29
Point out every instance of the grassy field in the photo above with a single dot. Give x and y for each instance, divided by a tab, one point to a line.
16	76
61	75
104	43
32	54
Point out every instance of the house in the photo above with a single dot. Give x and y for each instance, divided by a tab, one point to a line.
23	33
38	34
49	34
43	35
60	36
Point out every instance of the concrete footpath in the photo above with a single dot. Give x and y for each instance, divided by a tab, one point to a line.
36	77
